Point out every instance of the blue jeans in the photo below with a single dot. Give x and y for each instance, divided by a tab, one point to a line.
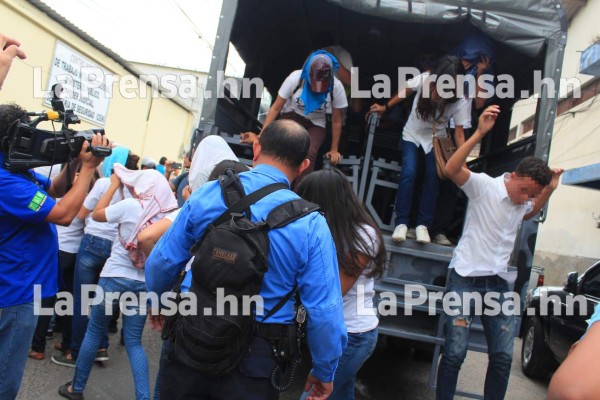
164	349
93	253
406	186
133	326
17	324
358	350
499	333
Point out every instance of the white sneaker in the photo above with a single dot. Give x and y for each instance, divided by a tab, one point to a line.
422	234
441	239
411	234
399	234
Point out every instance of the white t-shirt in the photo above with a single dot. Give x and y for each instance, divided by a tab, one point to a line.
105	230
420	132
343	57
50	171
172	215
69	237
467	125
295	104
125	214
367	321
490	229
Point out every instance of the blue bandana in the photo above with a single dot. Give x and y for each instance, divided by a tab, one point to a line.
312	101
472	48
119	155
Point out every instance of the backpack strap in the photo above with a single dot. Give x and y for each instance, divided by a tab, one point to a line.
231	187
281	303
289	212
245	202
280	216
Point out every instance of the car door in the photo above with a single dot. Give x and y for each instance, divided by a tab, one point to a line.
571	324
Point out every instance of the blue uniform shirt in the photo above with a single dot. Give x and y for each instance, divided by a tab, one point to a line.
301	252
28	244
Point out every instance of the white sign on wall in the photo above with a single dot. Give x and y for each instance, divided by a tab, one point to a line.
87	89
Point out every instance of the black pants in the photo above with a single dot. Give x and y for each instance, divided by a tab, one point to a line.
38	343
66	262
67	267
250	381
444	211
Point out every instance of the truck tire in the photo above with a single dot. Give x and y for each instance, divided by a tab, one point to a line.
536	358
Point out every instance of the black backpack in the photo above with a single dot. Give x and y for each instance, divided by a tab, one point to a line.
232	257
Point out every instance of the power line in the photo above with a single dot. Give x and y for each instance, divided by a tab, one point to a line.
194	27
197	30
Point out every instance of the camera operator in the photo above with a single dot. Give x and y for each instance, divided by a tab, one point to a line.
10	50
29	244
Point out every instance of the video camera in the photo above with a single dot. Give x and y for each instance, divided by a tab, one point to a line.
30	147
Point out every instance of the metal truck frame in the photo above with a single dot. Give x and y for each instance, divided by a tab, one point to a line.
270	36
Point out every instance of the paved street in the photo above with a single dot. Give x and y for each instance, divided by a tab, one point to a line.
387	375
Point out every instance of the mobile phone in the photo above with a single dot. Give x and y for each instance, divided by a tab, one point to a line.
176	165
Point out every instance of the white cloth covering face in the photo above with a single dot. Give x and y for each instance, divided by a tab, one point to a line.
212	150
152	191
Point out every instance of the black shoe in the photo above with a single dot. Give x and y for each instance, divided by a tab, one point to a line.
64	392
101	355
64	359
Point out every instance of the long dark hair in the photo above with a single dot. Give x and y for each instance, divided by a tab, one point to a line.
429	108
346	218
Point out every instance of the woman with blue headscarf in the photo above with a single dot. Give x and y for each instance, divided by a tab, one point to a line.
306	96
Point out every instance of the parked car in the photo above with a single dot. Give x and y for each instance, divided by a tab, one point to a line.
548	336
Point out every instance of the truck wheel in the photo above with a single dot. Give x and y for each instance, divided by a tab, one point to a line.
536	357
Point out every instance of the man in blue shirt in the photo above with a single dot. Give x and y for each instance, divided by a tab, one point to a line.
300	253
29	245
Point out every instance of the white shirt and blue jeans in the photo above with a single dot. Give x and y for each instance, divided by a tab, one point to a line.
480	265
419	133
362	328
118	275
93	252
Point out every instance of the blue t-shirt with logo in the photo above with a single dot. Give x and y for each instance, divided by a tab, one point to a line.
28	244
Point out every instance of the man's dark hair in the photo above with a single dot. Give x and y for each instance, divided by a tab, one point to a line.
219	169
163	160
286	141
536	169
9	113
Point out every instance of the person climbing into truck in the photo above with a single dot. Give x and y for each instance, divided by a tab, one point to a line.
306	96
430	114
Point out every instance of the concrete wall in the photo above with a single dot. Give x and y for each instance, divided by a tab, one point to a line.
149	127
569	239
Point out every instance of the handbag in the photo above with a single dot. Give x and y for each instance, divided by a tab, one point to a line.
443	148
